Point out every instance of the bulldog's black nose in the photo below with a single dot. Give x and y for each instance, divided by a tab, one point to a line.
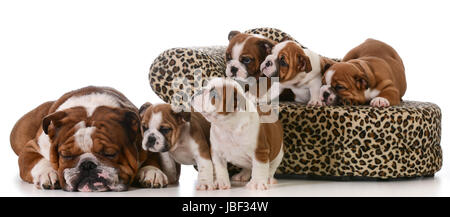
88	165
151	141
268	63
233	70
326	94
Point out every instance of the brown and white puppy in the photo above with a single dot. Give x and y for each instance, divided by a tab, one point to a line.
183	135
298	69
371	72
245	54
87	140
238	136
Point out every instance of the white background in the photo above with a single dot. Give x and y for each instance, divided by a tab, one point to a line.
50	47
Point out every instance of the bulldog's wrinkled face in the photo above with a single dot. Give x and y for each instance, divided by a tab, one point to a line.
220	99
343	84
161	127
286	61
245	53
94	153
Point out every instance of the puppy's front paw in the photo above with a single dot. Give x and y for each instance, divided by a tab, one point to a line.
242	176
316	102
258	184
205	185
152	177
222	183
45	177
379	102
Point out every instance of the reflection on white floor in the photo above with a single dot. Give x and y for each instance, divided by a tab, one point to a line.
437	186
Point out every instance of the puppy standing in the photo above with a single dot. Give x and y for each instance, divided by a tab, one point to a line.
238	136
371	72
298	69
87	140
184	136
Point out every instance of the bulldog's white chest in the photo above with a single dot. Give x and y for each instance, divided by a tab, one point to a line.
237	146
186	150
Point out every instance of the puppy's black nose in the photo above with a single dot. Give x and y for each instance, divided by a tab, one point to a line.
151	141
233	70
326	95
268	63
88	165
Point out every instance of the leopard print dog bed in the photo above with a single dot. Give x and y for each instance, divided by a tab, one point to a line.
330	142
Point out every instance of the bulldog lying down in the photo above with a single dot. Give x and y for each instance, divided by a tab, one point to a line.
238	136
87	140
372	73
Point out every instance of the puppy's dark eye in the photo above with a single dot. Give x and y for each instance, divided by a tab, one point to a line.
164	130
245	60
339	87
283	61
144	128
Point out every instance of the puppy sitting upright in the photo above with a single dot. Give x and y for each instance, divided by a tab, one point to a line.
184	135
298	69
371	72
87	140
238	135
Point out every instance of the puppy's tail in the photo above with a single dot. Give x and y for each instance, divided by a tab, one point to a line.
27	127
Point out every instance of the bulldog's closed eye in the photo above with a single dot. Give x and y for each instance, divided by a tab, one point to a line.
283	61
67	155
111	154
164	130
144	128
339	87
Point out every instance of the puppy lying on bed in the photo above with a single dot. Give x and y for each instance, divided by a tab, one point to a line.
372	73
238	136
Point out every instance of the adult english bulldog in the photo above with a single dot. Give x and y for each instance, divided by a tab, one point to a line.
87	140
372	72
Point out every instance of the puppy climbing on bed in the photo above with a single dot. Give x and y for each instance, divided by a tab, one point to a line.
238	136
181	138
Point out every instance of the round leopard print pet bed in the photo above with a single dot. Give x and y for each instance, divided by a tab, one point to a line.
331	142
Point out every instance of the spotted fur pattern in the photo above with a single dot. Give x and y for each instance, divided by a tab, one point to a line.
332	141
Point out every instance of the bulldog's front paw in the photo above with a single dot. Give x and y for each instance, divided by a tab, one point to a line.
379	102
205	185
242	176
258	184
316	102
222	183
152	177
45	177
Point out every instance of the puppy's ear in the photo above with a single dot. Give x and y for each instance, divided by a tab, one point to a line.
304	64
184	116
232	34
131	122
54	120
361	82
265	45
144	108
325	64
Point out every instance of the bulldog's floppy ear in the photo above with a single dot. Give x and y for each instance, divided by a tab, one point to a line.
54	118
232	34
266	46
183	116
130	121
304	64
361	82
144	108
